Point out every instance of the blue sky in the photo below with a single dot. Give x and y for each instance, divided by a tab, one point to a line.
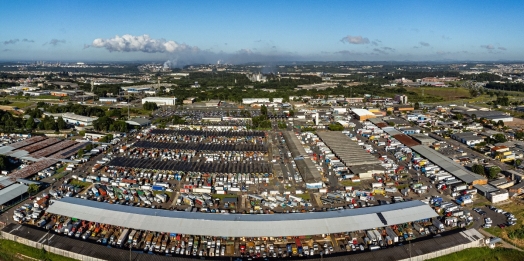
241	31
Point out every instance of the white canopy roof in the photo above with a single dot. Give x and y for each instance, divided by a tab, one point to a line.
242	225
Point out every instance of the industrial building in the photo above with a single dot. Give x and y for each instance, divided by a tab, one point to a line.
11	192
348	151
142	122
305	165
239	225
71	118
450	166
160	100
362	114
423	139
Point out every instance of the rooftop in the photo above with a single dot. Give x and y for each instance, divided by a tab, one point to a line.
345	149
11	192
447	164
240	225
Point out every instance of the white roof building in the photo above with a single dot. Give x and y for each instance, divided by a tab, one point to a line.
160	100
243	225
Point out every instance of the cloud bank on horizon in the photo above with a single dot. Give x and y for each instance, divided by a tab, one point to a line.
141	43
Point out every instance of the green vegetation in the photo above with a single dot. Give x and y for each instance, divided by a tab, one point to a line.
150	106
513	234
106	123
347	183
336	127
306	197
478	168
33	189
11	250
282	125
78	183
223	196
483	254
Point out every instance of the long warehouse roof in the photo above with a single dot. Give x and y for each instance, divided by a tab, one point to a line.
11	192
242	225
447	164
348	151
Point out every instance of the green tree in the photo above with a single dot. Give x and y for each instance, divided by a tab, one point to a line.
263	110
80	153
33	189
417	106
30	123
103	123
61	124
150	106
500	124
477	168
89	147
493	172
499	138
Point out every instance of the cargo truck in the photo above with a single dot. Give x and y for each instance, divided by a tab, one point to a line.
122	239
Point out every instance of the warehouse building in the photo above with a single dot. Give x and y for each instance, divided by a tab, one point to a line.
71	118
348	151
450	166
362	114
239	225
160	100
305	165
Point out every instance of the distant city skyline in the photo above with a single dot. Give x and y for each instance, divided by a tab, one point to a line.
270	31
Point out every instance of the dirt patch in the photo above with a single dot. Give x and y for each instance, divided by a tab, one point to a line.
515	123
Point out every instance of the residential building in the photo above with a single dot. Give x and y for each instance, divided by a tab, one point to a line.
400	98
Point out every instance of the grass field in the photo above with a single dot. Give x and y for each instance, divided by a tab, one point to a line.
483	254
305	197
513	234
223	196
20	104
10	250
79	183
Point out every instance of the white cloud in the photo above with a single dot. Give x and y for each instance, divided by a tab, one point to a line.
141	43
355	39
424	44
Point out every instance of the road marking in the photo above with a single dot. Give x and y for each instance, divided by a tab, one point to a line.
16	228
42	238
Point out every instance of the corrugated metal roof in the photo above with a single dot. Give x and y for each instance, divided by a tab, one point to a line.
392	131
241	225
5	181
447	164
348	151
12	192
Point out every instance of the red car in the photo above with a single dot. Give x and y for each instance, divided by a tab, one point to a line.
502	225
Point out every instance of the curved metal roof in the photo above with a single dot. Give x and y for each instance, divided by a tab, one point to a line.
242	225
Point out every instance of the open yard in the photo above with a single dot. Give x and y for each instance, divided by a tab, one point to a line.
10	250
513	234
483	254
79	183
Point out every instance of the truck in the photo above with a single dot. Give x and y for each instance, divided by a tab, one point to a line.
460	188
298	243
437	224
161	197
131	236
372	237
122	239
